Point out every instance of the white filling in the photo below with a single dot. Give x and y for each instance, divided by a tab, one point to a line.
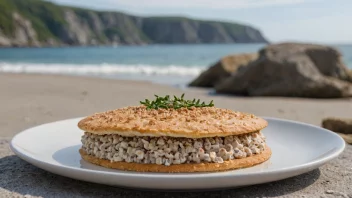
171	150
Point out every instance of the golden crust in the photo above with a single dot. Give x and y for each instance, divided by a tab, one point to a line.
181	168
190	123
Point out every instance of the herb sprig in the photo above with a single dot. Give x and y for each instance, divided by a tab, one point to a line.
166	103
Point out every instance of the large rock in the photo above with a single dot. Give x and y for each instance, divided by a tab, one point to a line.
338	125
292	70
222	69
341	126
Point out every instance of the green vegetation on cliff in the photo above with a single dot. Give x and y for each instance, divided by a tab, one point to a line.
6	22
45	17
77	26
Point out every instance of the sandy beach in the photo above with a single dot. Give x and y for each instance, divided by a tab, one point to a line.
30	100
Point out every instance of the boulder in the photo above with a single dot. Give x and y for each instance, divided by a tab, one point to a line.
292	70
338	125
222	69
346	137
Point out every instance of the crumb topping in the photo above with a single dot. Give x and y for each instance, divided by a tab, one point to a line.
182	122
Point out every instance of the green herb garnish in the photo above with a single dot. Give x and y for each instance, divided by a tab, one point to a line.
174	103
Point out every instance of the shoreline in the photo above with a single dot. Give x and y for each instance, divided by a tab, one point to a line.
152	79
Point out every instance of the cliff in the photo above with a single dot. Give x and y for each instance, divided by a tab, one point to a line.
40	23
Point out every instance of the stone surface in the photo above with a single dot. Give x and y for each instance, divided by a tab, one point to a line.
4	41
77	30
24	33
222	69
292	70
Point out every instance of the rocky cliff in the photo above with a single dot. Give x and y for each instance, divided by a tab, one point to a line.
40	23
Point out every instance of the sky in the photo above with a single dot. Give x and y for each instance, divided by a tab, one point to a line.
321	21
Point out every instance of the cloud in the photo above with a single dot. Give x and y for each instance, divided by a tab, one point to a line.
231	4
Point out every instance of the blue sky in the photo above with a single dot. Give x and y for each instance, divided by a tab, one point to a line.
323	21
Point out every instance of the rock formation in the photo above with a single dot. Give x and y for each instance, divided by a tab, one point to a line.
342	126
338	125
41	23
222	69
292	70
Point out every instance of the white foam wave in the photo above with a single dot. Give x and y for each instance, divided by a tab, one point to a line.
102	69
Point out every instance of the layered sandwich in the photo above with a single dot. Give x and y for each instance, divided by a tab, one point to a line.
174	135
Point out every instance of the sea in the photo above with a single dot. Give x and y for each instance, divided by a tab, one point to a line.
165	64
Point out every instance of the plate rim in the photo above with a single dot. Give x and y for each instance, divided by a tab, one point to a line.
316	163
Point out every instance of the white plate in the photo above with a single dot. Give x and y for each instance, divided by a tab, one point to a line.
297	148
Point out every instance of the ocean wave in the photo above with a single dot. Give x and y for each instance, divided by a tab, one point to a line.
101	69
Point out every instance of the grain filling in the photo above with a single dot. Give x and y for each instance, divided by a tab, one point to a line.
171	150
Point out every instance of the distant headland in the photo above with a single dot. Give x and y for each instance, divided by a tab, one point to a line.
36	23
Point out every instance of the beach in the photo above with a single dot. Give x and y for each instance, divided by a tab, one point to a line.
28	100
